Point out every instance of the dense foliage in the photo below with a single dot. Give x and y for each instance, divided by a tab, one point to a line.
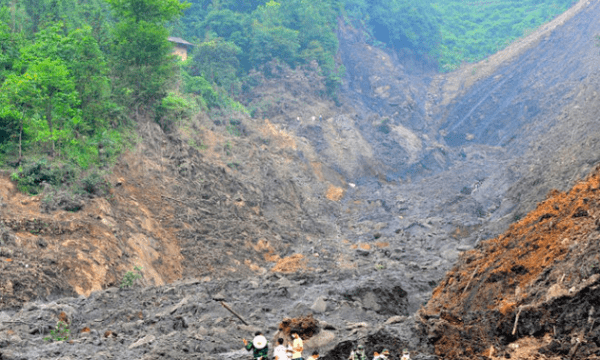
451	32
472	30
71	74
249	34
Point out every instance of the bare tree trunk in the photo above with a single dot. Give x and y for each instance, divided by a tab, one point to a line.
14	10
49	120
20	137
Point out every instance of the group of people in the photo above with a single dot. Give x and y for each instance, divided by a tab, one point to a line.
360	354
314	118
260	350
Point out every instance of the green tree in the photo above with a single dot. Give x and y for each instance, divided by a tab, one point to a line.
269	42
42	102
58	95
86	70
56	103
142	54
10	43
44	12
89	69
157	12
200	86
16	96
216	60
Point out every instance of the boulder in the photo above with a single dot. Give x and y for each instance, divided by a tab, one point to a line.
319	306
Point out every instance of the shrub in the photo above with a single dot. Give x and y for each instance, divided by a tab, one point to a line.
60	333
32	176
131	276
94	183
384	127
64	199
172	109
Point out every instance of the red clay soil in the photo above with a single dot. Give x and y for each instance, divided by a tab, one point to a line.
541	275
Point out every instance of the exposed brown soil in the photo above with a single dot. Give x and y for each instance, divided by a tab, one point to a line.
198	203
305	326
85	251
290	264
334	193
539	279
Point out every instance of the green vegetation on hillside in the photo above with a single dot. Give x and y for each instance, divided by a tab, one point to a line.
472	30
250	34
71	74
75	73
451	32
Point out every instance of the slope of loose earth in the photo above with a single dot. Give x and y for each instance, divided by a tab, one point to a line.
227	208
537	284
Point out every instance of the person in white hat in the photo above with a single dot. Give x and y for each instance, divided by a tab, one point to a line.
405	355
259	345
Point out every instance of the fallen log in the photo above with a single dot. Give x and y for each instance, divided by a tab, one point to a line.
233	312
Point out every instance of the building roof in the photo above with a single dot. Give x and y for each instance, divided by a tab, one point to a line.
179	41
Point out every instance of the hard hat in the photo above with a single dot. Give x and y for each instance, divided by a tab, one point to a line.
405	351
360	347
259	342
385	352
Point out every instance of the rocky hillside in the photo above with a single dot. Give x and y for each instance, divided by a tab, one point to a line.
228	206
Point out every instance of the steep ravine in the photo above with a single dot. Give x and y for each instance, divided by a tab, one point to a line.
354	218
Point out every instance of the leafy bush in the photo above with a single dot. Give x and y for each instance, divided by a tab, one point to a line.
235	127
173	109
60	333
130	277
32	176
94	183
198	85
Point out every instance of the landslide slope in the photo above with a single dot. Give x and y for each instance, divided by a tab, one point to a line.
199	203
355	217
533	292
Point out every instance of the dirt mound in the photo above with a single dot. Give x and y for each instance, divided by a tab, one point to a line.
540	279
305	326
